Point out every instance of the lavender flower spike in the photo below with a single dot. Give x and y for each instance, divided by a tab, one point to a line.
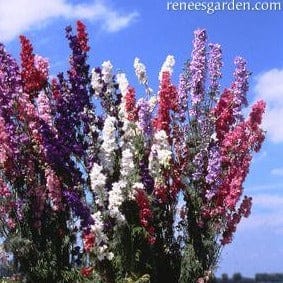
240	86
197	67
144	115
182	98
140	71
214	67
214	165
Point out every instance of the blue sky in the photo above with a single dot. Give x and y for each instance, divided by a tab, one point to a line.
122	30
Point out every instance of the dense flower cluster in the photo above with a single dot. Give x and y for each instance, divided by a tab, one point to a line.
214	68
145	214
197	68
34	68
120	172
140	71
109	144
145	117
101	248
167	101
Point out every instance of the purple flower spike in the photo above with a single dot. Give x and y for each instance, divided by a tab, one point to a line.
144	115
80	209
240	86
214	67
197	67
182	98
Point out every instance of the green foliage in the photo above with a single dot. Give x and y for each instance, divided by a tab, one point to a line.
190	267
74	275
42	255
143	279
133	254
201	248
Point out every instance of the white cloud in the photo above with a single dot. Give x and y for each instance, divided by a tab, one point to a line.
19	16
277	171
269	86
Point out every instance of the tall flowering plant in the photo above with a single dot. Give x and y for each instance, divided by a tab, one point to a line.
136	189
44	127
170	194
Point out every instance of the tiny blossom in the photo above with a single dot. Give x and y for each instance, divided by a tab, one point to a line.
145	213
214	169
233	220
33	78
106	72
245	207
98	181
138	186
146	178
167	66
223	113
28	112
255	118
86	271
54	189
78	73
140	71
213	165
44	109
197	67
4	190
108	131
214	68
130	105
182	98
42	65
144	114
97	178
98	228
20	205
96	81
79	207
164	156
122	82
116	198
127	163
152	102
160	154
198	162
109	144
129	132
123	86
167	102
240	85
11	223
128	169
101	248
88	241
161	192
82	36
5	150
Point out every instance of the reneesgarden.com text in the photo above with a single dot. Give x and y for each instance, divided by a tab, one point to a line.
232	5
